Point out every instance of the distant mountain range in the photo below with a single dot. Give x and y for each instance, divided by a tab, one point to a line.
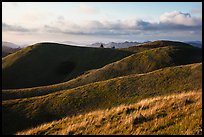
8	48
114	44
9	44
129	44
195	43
106	45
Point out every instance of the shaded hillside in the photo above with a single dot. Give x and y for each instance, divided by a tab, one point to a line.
29	112
49	63
142	62
177	114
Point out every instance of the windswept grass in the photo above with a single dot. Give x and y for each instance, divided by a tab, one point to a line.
154	44
161	72
51	63
145	61
176	114
29	112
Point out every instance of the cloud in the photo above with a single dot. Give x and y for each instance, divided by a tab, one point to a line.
179	18
50	29
128	27
60	18
87	9
169	23
92	28
6	27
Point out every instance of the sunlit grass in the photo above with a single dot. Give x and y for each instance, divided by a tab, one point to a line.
100	95
178	114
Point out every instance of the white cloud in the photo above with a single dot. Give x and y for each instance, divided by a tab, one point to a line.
179	18
174	21
173	24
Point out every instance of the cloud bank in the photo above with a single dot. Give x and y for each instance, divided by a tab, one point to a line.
175	22
180	18
15	28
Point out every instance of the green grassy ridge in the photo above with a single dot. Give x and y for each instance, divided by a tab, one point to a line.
43	90
29	112
4	54
160	116
146	61
154	44
14	57
143	62
50	63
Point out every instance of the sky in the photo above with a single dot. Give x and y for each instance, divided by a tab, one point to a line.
89	22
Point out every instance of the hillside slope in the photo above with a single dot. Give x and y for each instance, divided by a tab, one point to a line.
50	63
29	112
176	114
142	62
154	44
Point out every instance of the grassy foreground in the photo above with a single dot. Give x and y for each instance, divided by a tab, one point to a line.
21	114
176	114
152	88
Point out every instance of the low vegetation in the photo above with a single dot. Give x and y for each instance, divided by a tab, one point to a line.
49	63
154	44
151	88
176	114
28	112
145	61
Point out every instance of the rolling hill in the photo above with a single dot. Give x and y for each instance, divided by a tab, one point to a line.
154	116
51	63
146	60
154	44
29	112
150	88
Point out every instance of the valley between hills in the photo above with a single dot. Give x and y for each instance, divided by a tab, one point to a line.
153	88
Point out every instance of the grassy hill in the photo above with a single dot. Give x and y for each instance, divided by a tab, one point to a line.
154	44
176	114
50	63
137	63
25	113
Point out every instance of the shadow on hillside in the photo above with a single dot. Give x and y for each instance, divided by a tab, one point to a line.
66	67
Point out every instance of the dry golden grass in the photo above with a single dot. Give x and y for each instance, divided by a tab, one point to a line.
173	114
31	112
